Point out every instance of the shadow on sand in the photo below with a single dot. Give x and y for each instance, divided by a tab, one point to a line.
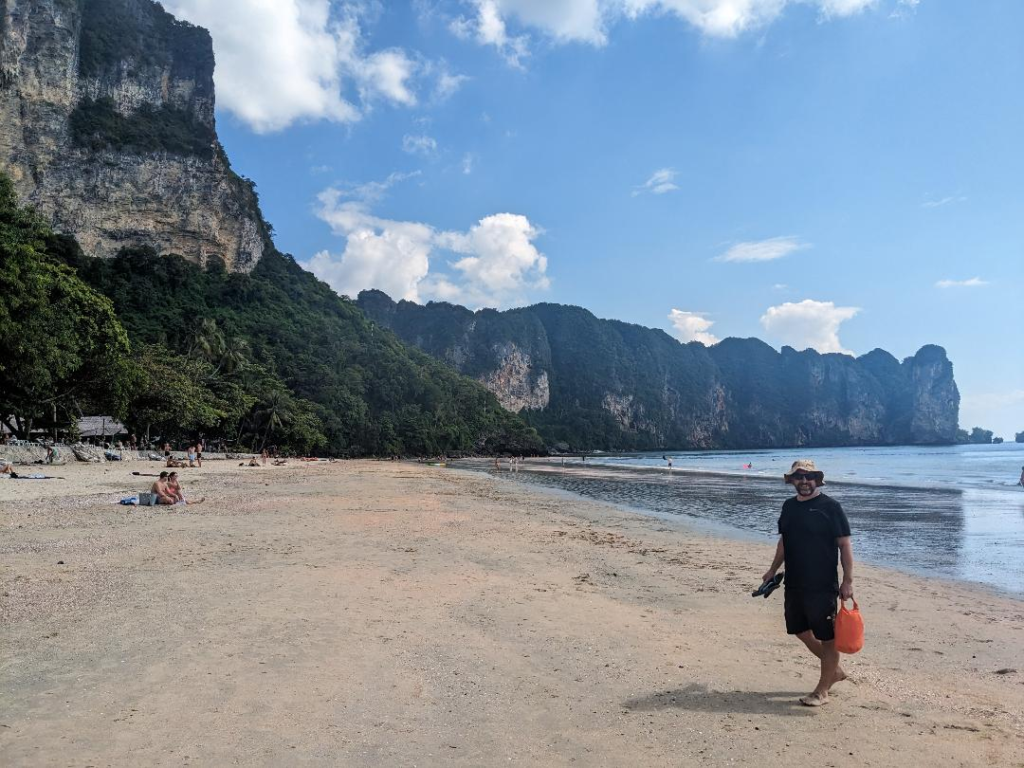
697	698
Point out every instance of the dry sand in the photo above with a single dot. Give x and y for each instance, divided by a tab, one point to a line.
381	614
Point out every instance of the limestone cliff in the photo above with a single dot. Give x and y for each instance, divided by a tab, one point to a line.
590	384
515	382
107	128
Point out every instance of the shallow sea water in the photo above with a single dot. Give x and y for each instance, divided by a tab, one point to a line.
953	512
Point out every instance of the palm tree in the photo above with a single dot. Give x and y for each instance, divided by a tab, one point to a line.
276	410
208	343
233	354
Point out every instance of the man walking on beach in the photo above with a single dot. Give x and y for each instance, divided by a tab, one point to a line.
814	534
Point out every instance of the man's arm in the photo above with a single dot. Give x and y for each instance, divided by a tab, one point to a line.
780	556
845	544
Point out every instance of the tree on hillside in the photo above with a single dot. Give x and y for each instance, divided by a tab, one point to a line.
234	353
354	388
62	349
981	436
208	342
275	409
172	399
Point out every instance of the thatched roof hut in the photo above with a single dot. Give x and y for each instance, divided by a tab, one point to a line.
100	426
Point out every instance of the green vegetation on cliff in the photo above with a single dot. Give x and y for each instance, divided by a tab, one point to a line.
271	357
115	33
137	40
97	125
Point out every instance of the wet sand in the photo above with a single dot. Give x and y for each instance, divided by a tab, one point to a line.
966	535
378	614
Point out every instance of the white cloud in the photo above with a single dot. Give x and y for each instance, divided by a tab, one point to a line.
468	161
293	60
372	191
942	201
488	28
391	256
660	182
500	261
419	145
385	74
588	21
904	8
763	250
808	323
498	265
974	282
692	326
448	84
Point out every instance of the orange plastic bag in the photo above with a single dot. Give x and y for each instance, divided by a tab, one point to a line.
849	629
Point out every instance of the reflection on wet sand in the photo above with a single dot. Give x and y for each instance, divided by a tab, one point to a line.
947	533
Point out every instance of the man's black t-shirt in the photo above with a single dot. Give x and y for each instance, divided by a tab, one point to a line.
809	531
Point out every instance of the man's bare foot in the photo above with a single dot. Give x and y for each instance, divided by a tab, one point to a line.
814	699
840	676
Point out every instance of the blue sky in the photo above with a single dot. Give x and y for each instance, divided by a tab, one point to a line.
840	174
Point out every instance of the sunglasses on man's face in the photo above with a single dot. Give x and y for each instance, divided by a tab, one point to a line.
801	477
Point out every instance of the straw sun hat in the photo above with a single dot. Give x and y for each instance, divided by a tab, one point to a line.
805	465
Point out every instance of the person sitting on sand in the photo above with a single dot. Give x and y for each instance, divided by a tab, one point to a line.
814	534
174	489
7	468
161	491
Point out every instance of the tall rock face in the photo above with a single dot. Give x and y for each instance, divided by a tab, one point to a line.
589	384
107	128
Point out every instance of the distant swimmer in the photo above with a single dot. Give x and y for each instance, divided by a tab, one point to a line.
1021	481
748	466
669	460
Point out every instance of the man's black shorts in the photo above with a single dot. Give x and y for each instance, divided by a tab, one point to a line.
815	611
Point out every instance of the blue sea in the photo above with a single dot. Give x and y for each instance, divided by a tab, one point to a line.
955	512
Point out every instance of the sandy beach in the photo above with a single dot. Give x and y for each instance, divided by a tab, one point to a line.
390	614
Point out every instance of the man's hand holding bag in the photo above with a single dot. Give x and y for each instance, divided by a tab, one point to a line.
849	628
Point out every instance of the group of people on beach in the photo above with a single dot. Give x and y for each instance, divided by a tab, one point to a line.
193	454
514	463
